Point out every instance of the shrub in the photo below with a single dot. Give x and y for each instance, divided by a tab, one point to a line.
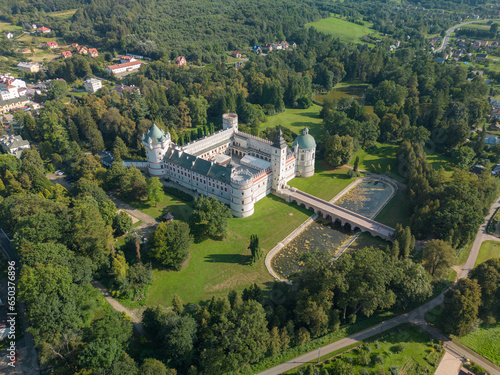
398	348
394	370
364	371
364	359
490	320
303	336
377	359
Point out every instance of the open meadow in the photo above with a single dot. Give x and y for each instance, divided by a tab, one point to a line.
489	250
346	31
296	120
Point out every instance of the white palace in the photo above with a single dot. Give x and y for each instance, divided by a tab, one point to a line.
236	168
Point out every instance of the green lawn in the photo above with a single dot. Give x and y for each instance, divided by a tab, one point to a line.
180	209
326	183
217	267
485	341
407	347
367	240
346	31
297	119
395	211
343	89
437	160
380	159
489	250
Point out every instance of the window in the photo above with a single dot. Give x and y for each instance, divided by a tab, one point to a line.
302	157
243	202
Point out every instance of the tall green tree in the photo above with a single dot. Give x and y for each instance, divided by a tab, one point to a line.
209	219
154	190
170	243
438	256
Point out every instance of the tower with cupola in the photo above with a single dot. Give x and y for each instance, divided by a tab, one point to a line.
278	162
156	142
304	148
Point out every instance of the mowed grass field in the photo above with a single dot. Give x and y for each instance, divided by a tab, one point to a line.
343	89
297	119
485	341
346	31
214	268
326	183
489	250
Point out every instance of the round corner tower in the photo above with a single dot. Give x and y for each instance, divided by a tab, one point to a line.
230	120
156	142
304	148
242	200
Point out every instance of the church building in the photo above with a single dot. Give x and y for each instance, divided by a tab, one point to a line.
236	168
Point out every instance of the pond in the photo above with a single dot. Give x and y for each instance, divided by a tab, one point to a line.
322	240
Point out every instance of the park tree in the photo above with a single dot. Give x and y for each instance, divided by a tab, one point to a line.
411	283
152	366
487	275
170	243
120	150
406	240
461	306
438	256
122	223
154	190
255	249
209	219
338	150
134	183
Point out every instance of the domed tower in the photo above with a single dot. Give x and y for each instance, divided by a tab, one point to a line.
278	162
230	120
304	148
156	143
242	200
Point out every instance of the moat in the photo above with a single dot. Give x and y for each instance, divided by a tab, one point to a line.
322	240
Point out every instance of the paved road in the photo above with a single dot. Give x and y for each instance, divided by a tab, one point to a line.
135	318
416	316
446	38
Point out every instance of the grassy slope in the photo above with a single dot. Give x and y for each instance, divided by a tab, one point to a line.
395	211
296	120
343	89
489	250
217	267
345	30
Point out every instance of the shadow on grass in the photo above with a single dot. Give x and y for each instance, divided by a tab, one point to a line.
228	258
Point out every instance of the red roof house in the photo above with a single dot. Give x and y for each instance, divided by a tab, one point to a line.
180	61
52	44
66	54
43	30
93	52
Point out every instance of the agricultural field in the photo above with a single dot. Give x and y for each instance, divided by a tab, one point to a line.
485	341
406	348
489	250
296	120
64	14
217	267
346	31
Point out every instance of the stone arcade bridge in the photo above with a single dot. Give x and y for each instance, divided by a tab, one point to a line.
334	213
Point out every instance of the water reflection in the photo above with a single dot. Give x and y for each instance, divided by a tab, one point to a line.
321	239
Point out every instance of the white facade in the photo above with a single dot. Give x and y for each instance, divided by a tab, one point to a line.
13	144
9	92
257	165
28	67
92	85
125	67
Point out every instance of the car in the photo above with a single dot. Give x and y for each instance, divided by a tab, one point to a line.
57	172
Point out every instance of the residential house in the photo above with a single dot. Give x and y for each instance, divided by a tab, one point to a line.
13	104
277	46
181	61
13	144
33	26
107	158
440	60
293	45
123	68
257	49
7	79
52	44
28	67
66	54
284	44
82	50
239	64
236	54
476	45
74	45
495	113
494	103
93	52
43	30
9	92
482	56
10	36
92	84
124	59
484	43
120	89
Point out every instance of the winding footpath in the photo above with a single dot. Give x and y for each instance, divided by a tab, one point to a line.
416	317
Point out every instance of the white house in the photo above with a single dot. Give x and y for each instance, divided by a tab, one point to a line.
10	36
13	144
92	84
28	67
125	67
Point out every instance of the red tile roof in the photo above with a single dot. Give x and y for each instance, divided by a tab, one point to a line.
124	65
